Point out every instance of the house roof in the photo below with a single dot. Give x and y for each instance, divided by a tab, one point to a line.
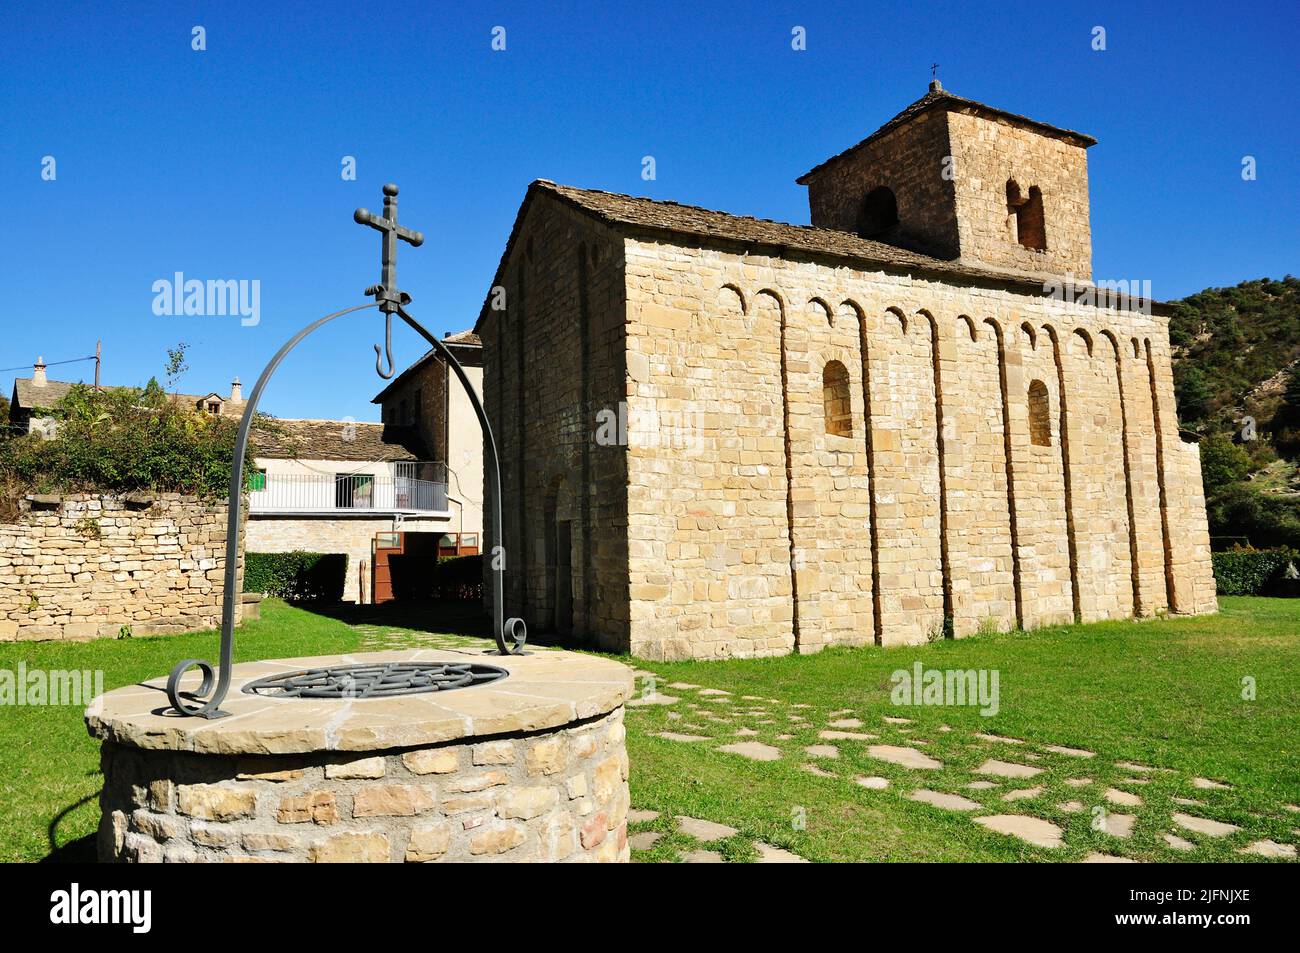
940	98
466	345
280	439
29	396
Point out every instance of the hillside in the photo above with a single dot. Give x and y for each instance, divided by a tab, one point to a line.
1237	377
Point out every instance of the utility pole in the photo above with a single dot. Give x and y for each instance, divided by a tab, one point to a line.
99	353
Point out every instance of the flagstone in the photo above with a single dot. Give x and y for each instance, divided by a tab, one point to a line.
1070	807
1071	752
707	831
907	757
982	785
713	691
1188	801
678	736
1033	830
635	816
652	699
840	711
754	750
1007	769
822	751
1292	808
801	705
1078	782
813	769
1268	848
767	854
753	698
1099	858
1177	843
944	728
683	686
702	857
674	715
987	737
1118	825
894	720
845	735
784	737
1205	784
644	841
1203	825
845	723
1116	796
949	802
1131	766
1022	793
746	732
873	782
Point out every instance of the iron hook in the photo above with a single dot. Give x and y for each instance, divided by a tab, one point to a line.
387	351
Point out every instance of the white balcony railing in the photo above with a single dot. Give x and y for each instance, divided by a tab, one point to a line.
350	493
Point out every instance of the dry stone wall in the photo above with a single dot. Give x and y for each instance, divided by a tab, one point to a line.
82	566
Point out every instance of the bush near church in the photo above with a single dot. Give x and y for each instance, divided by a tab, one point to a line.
1257	572
297	576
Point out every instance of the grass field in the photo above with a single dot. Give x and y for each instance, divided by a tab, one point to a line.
1164	694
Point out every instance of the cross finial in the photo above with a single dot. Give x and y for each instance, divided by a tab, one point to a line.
934	70
386	292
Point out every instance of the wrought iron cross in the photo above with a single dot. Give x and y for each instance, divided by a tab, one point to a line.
934	70
386	292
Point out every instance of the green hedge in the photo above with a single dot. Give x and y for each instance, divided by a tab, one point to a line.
1255	572
296	576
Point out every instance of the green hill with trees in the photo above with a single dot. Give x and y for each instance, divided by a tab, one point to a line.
1237	380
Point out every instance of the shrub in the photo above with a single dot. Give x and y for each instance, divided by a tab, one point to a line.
1253	572
123	439
297	576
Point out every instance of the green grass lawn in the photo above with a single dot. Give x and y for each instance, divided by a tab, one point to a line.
1167	694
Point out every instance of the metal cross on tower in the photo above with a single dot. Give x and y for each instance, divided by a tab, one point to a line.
386	292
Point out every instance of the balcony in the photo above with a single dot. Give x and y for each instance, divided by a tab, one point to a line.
346	495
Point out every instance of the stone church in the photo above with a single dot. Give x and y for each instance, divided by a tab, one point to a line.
916	418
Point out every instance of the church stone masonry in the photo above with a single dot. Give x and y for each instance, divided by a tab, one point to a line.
884	428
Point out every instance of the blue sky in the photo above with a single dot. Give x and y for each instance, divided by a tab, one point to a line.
226	163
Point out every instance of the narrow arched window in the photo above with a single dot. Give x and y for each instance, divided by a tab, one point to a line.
1031	228
878	214
1040	415
835	400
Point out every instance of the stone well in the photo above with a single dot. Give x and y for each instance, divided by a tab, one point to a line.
532	767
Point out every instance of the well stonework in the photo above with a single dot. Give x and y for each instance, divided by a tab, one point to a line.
531	768
82	566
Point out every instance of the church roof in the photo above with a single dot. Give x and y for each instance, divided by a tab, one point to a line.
630	214
657	215
280	439
940	98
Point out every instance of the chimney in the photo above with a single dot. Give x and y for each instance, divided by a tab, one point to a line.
38	373
236	392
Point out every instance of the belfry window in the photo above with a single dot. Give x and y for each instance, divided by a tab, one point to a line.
1027	210
878	214
1040	415
835	400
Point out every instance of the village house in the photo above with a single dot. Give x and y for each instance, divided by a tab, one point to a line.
888	426
367	490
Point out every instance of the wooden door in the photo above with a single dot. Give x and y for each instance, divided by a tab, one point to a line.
383	546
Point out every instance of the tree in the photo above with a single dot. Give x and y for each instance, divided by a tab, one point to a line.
1223	463
1192	392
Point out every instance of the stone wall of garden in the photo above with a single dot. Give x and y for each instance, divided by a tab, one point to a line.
92	565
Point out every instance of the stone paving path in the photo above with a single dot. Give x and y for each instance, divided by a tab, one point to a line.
869	739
